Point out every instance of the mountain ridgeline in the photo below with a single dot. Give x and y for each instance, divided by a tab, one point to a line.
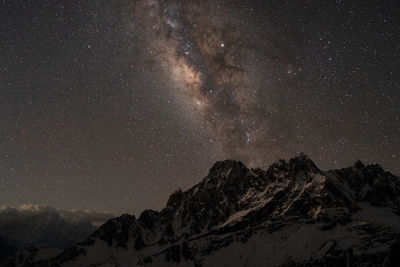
292	214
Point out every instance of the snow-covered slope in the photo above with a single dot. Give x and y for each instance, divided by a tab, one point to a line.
293	214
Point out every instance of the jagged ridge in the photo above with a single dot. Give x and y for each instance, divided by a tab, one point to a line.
237	202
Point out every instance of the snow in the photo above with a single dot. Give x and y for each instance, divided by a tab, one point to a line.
47	253
236	217
274	241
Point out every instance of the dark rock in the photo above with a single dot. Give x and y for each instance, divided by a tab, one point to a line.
116	231
204	219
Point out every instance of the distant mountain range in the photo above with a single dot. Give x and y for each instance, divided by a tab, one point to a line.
292	214
35	225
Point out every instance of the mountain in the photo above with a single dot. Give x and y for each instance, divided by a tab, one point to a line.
35	225
292	214
6	250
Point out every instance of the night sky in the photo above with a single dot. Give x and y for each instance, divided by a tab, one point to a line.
113	105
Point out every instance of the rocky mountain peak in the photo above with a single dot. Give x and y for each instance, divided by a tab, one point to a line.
299	165
359	165
234	204
302	163
115	231
227	170
175	199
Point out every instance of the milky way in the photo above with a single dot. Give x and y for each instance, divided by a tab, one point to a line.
212	57
113	105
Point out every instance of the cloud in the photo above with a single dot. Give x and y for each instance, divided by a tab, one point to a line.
94	217
73	216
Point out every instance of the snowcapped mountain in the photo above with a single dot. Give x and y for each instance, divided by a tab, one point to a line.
292	214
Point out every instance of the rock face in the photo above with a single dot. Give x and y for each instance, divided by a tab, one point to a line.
293	214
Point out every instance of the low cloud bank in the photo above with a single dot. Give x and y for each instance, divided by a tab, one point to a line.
27	211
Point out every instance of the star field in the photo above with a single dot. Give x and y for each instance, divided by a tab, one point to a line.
112	105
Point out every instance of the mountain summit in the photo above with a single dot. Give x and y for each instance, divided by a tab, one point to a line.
292	214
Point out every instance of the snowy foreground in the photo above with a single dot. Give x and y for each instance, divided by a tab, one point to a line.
293	214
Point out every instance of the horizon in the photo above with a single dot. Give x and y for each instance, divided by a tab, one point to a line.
36	207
